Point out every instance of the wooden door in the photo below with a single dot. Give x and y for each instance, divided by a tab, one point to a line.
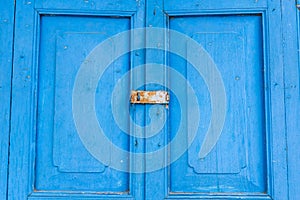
221	63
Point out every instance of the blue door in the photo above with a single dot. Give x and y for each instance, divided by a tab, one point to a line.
210	129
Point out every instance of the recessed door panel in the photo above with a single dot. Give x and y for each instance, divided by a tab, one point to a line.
237	163
62	161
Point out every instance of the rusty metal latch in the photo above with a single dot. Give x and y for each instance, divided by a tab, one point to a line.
149	97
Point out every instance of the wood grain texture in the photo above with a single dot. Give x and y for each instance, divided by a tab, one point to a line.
155	17
238	161
38	63
253	42
6	53
62	161
275	144
291	44
22	142
194	5
277	173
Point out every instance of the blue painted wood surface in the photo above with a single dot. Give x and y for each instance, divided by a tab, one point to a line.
291	33
53	162
238	161
272	174
6	53
155	17
60	153
257	56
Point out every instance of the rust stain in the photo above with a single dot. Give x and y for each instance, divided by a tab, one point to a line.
149	97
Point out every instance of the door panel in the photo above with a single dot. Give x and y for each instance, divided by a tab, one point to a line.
62	162
237	162
65	137
228	56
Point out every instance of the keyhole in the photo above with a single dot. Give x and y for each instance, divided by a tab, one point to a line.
138	98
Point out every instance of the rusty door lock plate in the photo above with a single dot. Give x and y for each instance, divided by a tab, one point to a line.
149	97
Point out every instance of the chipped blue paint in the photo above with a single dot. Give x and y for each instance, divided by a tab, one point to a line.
253	45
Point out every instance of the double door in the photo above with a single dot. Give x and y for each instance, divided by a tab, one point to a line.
206	71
